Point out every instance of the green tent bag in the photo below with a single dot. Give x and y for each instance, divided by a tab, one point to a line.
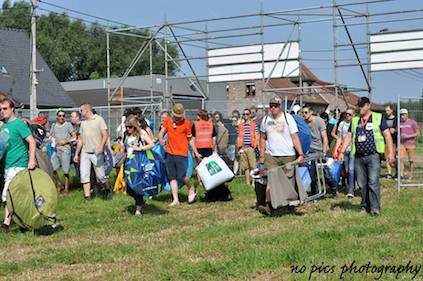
32	199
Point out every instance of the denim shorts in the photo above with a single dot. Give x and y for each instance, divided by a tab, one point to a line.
176	167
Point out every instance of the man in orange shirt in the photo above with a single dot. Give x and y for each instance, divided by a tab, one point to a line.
178	130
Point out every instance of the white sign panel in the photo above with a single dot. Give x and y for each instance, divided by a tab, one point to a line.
245	62
399	50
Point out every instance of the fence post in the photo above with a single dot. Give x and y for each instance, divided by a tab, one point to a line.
398	145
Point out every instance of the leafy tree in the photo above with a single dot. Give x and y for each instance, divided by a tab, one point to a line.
76	51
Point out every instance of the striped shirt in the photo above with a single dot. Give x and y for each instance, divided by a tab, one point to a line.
247	134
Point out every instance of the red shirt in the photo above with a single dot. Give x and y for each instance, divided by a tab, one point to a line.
177	136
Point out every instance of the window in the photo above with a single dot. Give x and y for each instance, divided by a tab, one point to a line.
250	89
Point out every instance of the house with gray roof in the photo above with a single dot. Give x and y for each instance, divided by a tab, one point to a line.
15	60
137	89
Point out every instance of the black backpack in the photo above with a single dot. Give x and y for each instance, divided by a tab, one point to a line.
38	132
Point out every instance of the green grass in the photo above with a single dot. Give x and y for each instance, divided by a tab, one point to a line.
102	240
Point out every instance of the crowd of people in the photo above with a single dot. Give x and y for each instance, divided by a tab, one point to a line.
257	138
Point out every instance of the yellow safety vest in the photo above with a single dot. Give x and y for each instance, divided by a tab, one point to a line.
377	134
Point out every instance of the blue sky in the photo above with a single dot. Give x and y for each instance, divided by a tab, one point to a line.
314	37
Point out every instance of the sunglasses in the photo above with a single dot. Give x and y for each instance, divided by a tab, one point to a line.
245	114
4	108
273	105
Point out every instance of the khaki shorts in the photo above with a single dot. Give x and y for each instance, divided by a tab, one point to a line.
88	159
248	159
409	150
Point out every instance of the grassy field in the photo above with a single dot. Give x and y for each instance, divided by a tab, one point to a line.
102	240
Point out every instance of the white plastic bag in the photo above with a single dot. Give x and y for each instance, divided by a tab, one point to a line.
213	171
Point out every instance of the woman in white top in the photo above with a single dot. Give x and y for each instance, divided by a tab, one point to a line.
136	139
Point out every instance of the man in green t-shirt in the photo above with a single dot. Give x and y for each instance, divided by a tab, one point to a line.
20	151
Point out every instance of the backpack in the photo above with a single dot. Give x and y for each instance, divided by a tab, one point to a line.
38	132
304	132
222	138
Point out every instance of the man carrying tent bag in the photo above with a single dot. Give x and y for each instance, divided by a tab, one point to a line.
20	151
278	142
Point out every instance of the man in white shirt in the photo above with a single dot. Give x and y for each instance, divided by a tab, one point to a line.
279	141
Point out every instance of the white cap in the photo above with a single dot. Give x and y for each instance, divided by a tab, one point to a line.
403	111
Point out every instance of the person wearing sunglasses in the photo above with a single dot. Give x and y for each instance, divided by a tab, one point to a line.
343	128
136	138
367	135
247	142
20	151
279	144
61	133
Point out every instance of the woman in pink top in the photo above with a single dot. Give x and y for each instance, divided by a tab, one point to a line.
409	131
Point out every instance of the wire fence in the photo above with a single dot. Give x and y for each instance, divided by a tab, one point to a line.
409	148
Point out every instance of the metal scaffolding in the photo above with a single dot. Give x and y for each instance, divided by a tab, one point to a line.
209	33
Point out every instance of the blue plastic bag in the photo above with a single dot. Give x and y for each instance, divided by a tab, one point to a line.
108	160
305	177
144	173
336	170
4	142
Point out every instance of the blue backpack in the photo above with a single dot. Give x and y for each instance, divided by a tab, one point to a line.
304	132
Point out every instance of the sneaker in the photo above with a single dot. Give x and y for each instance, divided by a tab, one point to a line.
410	178
5	228
388	176
363	212
138	213
375	212
350	195
264	210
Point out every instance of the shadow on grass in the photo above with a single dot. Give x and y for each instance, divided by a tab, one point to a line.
149	209
285	211
346	205
167	197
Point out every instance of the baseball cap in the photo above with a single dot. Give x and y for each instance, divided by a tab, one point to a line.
403	111
362	101
275	100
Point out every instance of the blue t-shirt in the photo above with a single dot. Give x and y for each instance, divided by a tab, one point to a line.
368	146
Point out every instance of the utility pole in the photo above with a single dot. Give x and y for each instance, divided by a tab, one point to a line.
34	82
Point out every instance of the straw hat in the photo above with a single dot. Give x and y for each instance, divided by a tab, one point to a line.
178	110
